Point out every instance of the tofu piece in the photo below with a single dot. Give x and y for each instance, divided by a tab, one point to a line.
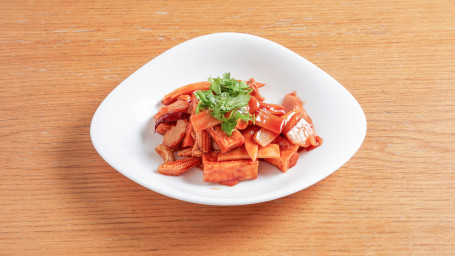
288	154
224	141
228	171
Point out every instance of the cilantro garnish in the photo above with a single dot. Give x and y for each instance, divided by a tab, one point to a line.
226	95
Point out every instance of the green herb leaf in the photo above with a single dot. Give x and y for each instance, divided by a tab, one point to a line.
225	95
229	124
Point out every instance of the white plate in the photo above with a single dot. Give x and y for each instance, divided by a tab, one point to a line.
120	127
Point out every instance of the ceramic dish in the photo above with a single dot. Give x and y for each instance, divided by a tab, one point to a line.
121	128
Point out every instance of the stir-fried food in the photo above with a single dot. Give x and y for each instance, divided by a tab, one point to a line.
224	127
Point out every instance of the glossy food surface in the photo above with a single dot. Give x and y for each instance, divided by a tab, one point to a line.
136	100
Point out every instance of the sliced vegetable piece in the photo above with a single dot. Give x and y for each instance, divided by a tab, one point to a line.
273	108
203	141
307	118
250	145
253	105
193	105
185	152
215	146
255	92
179	167
187	89
184	97
188	140
319	141
264	137
174	136
195	151
270	151
302	134
224	141
269	121
290	119
291	102
259	85
203	120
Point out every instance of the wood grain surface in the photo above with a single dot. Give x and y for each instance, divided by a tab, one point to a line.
59	59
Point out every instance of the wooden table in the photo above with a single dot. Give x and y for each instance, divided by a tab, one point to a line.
59	59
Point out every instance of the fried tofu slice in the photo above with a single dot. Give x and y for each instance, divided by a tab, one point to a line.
288	154
224	141
235	154
230	171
